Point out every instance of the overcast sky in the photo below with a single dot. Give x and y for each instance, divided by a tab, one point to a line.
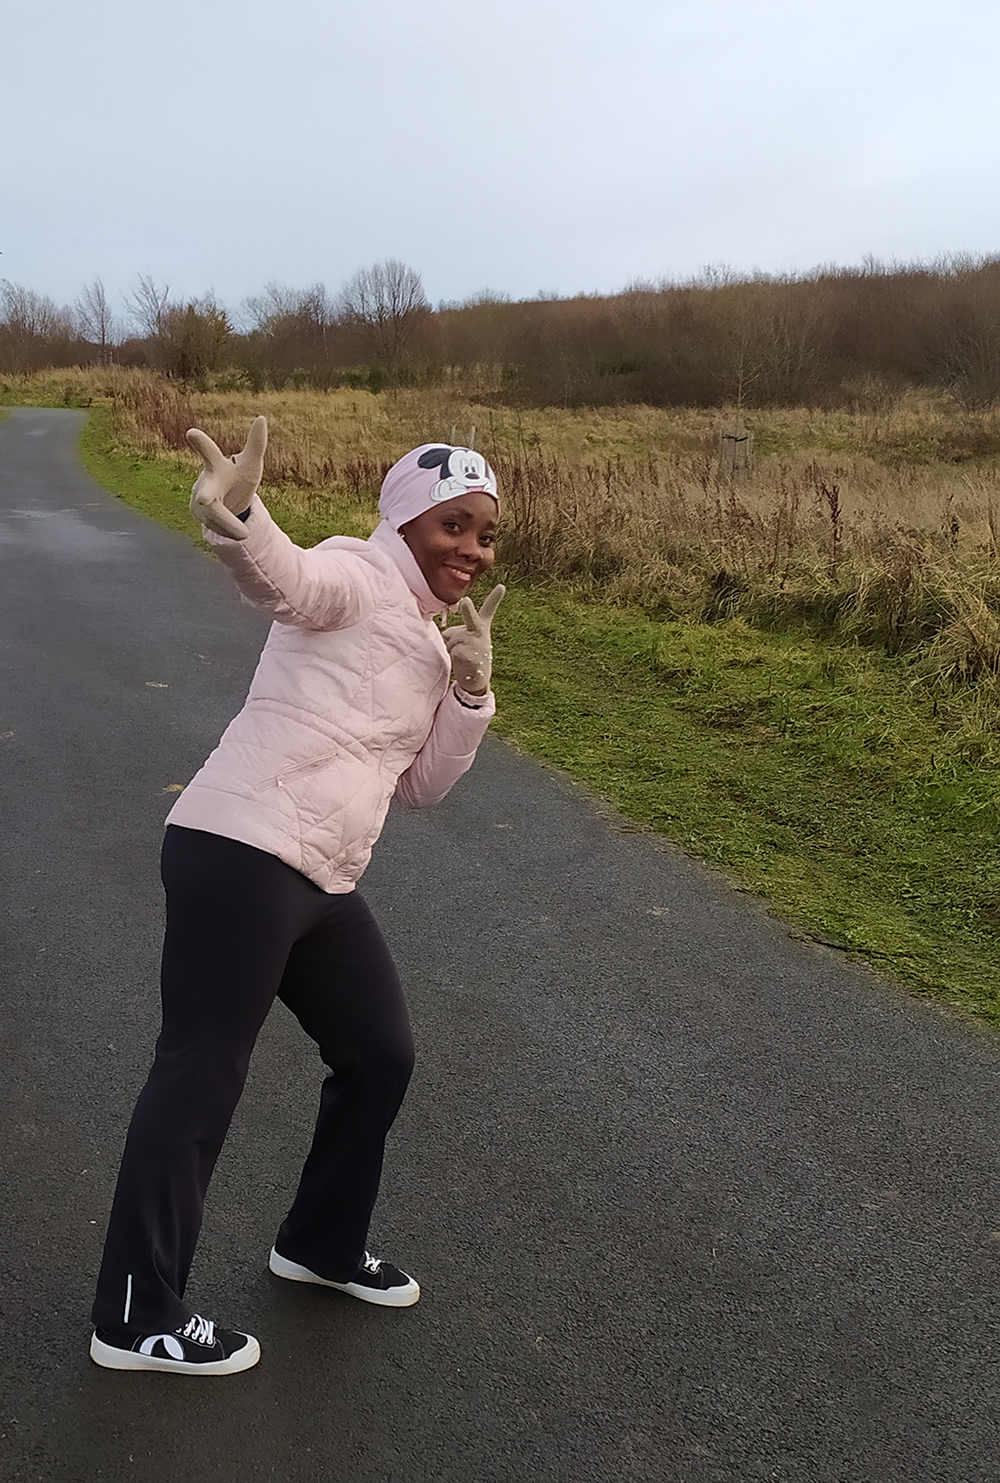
524	145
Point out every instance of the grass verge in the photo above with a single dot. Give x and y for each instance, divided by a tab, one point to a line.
858	799
161	490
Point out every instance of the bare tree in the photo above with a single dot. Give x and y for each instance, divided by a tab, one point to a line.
386	302
28	312
95	320
274	305
148	305
278	310
34	331
289	328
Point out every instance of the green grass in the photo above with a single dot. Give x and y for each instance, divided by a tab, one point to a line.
161	489
833	780
821	776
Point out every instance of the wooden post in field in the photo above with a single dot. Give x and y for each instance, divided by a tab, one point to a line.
735	452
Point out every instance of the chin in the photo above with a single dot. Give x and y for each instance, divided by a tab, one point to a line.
452	592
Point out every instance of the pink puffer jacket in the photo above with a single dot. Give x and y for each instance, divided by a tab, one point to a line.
351	703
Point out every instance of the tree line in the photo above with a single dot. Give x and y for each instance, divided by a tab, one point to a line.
831	337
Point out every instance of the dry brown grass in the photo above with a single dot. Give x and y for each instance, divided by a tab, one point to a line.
845	520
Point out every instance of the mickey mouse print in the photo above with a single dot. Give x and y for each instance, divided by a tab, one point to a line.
462	471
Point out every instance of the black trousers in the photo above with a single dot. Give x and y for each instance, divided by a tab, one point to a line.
242	928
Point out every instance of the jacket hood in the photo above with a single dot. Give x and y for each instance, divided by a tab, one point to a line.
391	541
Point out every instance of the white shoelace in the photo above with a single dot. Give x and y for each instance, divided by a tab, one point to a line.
199	1330
372	1263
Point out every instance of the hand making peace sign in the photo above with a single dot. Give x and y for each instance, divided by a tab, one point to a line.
224	488
470	645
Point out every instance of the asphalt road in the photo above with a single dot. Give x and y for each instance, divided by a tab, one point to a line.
689	1200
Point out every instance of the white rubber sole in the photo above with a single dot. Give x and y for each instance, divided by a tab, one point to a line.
396	1297
110	1358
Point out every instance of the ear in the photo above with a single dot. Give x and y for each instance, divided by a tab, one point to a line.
433	458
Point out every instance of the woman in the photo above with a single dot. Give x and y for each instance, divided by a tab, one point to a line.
353	703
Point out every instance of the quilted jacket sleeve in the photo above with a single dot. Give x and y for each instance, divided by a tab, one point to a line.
326	587
448	751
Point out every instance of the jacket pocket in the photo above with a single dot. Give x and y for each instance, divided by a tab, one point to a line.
296	770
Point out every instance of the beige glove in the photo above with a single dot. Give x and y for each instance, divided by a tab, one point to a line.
225	486
470	646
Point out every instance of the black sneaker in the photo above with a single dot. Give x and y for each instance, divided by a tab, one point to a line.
197	1348
375	1281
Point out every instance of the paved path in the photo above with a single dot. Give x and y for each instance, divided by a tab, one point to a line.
689	1200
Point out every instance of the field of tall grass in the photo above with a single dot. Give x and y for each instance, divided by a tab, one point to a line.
879	525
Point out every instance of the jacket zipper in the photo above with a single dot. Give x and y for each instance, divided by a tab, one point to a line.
278	779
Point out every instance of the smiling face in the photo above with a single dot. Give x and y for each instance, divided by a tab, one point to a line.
453	543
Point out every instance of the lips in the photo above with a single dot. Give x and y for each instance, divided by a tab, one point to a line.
458	575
